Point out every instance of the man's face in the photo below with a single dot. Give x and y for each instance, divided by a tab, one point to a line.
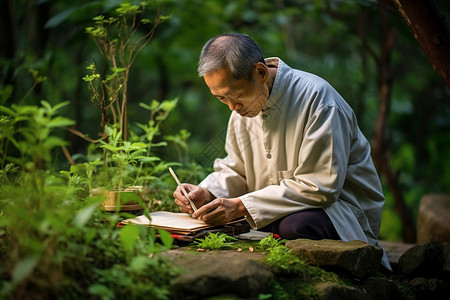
245	97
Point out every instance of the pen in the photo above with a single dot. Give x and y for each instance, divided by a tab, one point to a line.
182	188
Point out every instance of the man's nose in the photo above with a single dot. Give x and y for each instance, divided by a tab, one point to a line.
234	106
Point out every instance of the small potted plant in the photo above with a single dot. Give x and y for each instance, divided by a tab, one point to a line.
126	167
121	172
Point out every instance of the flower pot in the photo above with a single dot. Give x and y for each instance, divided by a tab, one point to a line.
125	200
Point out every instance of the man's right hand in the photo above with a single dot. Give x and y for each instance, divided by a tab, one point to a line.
199	195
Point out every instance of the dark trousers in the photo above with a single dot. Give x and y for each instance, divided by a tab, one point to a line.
313	224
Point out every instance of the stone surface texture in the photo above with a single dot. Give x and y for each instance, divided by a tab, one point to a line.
433	221
357	258
213	273
422	272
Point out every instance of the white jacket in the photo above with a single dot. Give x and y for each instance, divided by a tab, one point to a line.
304	150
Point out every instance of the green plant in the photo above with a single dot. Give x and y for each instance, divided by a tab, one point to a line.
118	165
270	242
214	241
55	241
124	164
118	40
28	129
76	247
158	112
180	142
124	157
54	231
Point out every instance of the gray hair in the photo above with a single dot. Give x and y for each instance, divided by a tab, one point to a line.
238	52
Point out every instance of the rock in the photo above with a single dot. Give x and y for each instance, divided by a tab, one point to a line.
394	250
433	219
333	291
356	258
381	288
213	273
425	260
230	274
446	265
429	288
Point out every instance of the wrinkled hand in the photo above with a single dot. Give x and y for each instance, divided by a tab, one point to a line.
220	211
197	194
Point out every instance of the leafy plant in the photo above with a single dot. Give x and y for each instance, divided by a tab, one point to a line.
118	164
118	41
124	156
214	241
269	243
55	241
29	130
76	247
180	141
53	230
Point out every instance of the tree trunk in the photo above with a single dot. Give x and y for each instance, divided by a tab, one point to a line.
431	31
380	151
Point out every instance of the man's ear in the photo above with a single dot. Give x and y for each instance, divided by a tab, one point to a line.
261	72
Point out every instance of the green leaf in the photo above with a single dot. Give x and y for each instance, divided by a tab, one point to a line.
169	105
161	144
128	236
83	216
146	106
101	290
7	110
166	238
51	142
47	106
110	147
149	159
60	122
139	263
24	268
138	145
98	18
59	105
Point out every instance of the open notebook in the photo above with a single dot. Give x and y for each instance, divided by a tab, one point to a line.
183	224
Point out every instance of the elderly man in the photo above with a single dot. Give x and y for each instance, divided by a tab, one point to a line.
297	163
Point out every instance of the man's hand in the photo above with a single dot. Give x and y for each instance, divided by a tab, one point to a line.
197	194
221	211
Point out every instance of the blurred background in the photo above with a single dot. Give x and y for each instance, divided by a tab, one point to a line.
359	46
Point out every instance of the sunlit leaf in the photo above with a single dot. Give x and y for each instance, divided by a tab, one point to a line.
149	159
60	122
166	238
139	263
83	216
128	235
101	290
24	267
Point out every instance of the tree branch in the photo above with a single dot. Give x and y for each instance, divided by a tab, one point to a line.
431	31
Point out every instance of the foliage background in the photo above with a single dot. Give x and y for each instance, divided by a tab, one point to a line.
312	35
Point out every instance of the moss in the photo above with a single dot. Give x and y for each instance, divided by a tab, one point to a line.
283	262
292	288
